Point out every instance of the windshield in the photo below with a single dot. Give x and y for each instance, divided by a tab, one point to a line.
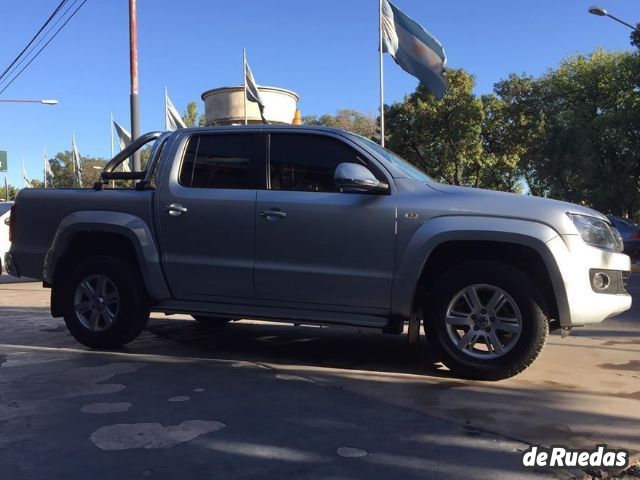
400	163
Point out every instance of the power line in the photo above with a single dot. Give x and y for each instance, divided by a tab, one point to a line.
42	38
43	47
55	12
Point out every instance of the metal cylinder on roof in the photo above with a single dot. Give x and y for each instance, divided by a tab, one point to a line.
225	106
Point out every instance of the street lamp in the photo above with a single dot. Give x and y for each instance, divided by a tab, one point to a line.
601	12
43	102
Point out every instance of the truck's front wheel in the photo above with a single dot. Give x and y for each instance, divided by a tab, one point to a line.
485	320
105	305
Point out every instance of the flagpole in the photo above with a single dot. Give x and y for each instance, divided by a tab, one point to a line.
381	74
45	168
166	119
244	75
111	130
73	158
113	182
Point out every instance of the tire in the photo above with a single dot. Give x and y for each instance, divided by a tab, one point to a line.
209	320
113	288
507	339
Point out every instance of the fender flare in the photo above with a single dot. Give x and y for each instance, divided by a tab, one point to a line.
440	230
130	226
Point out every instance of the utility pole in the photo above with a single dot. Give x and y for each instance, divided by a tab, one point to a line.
381	63
133	62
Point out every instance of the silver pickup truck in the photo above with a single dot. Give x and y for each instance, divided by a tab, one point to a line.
317	226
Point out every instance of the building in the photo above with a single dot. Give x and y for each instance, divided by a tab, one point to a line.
225	106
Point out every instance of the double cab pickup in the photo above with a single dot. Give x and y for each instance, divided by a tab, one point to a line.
314	225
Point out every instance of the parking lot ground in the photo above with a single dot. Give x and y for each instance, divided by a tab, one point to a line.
266	400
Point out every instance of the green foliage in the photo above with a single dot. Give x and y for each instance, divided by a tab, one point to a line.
500	148
582	123
191	118
13	191
346	119
64	173
442	137
635	37
572	134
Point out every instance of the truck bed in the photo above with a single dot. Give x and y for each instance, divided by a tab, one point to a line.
40	211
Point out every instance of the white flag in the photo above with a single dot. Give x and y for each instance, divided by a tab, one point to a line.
25	180
172	119
253	94
47	166
124	139
77	161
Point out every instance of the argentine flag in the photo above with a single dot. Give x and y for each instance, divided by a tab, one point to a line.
413	48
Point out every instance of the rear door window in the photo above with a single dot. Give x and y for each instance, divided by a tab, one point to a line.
217	161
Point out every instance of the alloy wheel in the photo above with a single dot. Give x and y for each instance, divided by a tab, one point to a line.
483	321
96	302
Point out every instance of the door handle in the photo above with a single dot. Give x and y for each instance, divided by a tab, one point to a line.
175	209
272	214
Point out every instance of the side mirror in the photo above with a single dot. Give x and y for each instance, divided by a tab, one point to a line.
352	177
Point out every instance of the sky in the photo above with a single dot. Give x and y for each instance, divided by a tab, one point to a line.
326	51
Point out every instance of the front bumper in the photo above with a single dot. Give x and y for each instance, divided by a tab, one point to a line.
577	263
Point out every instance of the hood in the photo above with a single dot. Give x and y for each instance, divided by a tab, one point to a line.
475	201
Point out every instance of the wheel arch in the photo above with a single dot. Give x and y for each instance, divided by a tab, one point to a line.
445	242
84	234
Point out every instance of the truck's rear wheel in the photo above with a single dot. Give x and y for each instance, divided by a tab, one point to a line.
485	320
104	302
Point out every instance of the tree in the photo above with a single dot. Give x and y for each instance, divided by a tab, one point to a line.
64	173
442	137
523	122
347	119
191	118
13	191
635	37
583	124
500	147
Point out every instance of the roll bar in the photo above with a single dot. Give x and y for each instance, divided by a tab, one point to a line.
109	173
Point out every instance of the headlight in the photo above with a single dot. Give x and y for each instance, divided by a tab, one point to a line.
597	233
